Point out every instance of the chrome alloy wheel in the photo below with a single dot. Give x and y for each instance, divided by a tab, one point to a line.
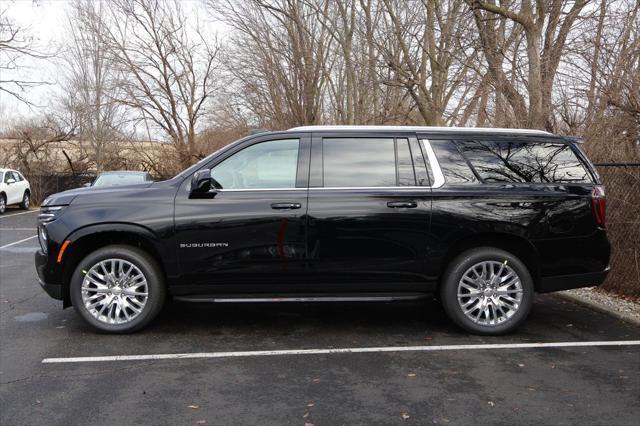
490	293
114	291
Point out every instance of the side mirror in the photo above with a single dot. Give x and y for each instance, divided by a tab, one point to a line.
201	185
87	185
10	181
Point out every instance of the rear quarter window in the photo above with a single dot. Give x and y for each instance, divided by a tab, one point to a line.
525	162
454	167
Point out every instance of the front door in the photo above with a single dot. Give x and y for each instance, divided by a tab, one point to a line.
250	237
369	213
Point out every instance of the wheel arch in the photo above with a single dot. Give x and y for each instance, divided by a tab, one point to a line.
92	238
517	245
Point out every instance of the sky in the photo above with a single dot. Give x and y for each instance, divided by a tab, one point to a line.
42	20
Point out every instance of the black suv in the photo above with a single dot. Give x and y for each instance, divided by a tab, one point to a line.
481	217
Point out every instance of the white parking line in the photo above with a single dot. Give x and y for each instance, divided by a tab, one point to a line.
339	351
4	216
17	242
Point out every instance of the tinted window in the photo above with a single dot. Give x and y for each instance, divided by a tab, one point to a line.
406	176
420	164
264	165
525	162
454	168
358	162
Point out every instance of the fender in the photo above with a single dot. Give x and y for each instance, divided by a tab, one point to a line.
82	240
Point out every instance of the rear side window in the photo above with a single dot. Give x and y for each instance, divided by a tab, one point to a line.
524	162
351	162
454	167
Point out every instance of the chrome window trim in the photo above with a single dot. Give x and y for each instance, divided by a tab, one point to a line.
260	189
369	188
438	176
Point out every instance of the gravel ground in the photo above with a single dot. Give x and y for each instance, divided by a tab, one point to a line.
606	302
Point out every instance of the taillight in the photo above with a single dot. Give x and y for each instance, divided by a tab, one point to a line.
599	204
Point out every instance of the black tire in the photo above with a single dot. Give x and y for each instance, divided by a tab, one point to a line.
3	203
26	201
453	275
156	288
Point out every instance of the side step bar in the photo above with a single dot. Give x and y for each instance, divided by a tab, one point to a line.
300	299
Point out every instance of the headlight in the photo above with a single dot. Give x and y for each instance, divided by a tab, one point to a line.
47	214
42	238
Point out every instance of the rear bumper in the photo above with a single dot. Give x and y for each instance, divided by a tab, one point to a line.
52	289
567	282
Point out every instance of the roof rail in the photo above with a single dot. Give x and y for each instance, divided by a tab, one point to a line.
319	128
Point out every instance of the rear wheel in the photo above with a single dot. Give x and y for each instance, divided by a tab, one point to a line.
3	203
487	291
118	289
26	201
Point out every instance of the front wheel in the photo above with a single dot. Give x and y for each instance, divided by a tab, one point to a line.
3	203
487	291
117	289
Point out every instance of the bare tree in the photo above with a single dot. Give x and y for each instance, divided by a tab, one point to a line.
277	59
425	46
166	67
546	26
91	88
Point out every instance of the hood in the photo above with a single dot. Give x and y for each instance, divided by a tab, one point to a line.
66	197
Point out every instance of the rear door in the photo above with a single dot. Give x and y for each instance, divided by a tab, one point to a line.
369	212
22	185
14	195
250	237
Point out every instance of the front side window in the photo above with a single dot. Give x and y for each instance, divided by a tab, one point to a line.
525	162
7	176
265	165
359	162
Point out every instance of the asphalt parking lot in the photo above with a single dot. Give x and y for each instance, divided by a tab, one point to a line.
241	375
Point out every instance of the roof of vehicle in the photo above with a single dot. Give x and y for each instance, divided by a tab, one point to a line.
417	129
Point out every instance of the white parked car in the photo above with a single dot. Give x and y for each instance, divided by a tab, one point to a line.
14	189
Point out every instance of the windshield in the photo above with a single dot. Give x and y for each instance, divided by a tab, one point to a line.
113	179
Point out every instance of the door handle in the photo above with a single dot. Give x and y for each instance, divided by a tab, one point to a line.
402	204
285	206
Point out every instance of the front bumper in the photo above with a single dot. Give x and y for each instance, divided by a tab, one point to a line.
52	289
567	282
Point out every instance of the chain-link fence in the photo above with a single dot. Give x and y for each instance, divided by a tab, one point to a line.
622	185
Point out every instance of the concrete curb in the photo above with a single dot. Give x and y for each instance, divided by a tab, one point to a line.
580	300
